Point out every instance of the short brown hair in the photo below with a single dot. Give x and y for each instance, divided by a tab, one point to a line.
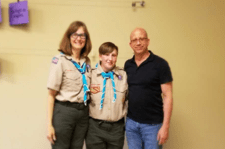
65	45
107	47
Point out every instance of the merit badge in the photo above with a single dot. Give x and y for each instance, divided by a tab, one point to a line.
55	60
120	77
95	88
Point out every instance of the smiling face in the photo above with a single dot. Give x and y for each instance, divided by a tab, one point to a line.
78	39
139	41
108	60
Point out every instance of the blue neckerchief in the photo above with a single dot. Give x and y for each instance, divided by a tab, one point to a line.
84	80
106	76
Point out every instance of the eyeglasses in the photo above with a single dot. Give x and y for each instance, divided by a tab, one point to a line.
141	40
75	36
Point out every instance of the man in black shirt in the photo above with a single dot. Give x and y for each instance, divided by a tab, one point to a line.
149	113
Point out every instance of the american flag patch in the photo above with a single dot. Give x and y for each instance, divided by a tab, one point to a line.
55	60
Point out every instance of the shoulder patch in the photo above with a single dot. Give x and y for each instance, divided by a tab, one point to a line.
55	60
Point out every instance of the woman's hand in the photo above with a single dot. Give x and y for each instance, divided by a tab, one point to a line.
51	134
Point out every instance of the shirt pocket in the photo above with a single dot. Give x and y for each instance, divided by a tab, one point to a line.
73	81
96	95
121	92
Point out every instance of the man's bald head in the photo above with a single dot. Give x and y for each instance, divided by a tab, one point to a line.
140	30
139	41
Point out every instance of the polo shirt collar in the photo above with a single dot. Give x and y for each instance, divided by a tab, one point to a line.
100	70
150	58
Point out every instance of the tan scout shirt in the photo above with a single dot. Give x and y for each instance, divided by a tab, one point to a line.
65	78
110	111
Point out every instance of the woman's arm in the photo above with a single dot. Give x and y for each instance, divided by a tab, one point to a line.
51	101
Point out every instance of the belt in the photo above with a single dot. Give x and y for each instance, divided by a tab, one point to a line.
109	122
79	106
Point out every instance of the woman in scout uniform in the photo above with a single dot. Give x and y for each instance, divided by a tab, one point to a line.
108	106
68	85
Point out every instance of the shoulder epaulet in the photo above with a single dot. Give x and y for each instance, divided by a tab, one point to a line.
120	68
120	71
93	68
58	56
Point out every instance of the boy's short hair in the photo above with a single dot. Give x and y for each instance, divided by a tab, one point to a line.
107	47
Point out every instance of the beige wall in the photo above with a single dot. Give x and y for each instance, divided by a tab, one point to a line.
189	34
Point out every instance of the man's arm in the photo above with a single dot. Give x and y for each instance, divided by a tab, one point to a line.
163	133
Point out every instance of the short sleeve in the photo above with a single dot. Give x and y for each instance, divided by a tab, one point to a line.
165	73
55	75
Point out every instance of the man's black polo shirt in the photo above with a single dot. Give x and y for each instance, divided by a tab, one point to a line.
144	98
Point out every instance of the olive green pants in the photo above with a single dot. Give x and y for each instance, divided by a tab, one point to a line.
103	135
70	123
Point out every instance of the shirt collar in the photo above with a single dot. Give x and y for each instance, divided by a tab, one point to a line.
100	70
150	58
69	57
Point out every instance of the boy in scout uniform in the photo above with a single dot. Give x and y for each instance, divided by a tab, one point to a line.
108	106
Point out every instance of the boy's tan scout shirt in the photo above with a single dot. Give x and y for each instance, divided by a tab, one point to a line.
110	111
65	78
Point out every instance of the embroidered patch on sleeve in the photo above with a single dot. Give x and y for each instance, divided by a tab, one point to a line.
95	88
55	60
